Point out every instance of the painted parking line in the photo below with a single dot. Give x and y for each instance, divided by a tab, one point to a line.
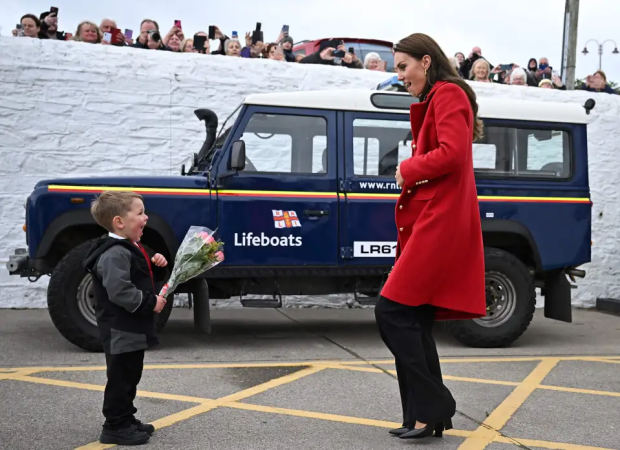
479	439
488	431
209	405
445	377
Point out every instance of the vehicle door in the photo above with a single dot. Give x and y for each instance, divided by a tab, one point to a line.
374	144
282	208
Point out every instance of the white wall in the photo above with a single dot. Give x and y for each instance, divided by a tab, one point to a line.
69	109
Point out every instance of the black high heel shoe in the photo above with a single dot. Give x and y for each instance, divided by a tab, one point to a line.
432	428
398	431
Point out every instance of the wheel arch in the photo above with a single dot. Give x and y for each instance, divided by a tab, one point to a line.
75	227
513	237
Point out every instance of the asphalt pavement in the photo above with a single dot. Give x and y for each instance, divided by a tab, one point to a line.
313	379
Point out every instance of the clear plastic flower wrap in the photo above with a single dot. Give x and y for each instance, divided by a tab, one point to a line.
198	253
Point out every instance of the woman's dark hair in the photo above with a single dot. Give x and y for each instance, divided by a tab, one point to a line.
418	45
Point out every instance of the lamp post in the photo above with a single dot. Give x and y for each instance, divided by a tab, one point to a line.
600	50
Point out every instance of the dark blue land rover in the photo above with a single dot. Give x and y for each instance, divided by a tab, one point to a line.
301	189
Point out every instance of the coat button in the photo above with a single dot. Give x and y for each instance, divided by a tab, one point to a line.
408	191
414	146
400	207
401	228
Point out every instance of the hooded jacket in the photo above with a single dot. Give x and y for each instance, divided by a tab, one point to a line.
124	295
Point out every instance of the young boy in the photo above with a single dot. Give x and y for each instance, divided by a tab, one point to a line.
126	303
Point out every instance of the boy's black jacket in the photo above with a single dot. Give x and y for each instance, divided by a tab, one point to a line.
124	295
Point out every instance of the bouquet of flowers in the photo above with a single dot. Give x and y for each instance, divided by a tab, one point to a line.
198	253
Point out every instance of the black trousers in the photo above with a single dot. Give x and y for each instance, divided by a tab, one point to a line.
407	332
124	373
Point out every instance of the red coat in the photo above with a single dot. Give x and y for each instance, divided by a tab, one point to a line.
439	252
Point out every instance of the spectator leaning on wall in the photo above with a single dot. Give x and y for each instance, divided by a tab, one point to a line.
598	83
326	57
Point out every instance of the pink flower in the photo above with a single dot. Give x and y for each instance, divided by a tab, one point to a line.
219	256
205	237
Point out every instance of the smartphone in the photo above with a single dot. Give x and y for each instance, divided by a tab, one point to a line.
199	43
128	33
211	32
257	36
258	25
107	37
235	35
338	53
506	67
53	10
115	32
285	29
352	50
177	23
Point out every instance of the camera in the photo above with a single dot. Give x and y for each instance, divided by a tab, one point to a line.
155	35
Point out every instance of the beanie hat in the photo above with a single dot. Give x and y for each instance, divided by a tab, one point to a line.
286	39
545	81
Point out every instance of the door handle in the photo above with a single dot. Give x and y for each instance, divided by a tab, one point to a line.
316	212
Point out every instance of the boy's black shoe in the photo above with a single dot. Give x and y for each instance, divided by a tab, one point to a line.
124	436
144	427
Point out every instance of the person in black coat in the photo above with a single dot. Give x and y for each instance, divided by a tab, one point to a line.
123	278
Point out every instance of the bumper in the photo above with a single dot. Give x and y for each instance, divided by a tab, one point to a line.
20	264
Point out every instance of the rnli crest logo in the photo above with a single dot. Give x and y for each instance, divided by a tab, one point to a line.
285	219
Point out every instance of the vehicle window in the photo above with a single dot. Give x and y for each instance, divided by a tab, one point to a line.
380	145
383	51
485	156
522	152
279	143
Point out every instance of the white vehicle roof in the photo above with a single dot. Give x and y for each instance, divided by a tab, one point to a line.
359	100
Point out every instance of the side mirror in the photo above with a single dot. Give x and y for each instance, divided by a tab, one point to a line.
237	156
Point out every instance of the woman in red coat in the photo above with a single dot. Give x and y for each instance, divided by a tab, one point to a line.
439	268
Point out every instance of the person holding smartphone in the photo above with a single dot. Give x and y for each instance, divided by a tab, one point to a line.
333	53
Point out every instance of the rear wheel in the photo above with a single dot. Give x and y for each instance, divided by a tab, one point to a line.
511	302
71	301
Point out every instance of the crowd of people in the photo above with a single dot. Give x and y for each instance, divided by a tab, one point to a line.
537	73
175	40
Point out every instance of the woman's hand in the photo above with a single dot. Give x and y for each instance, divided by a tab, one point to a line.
399	178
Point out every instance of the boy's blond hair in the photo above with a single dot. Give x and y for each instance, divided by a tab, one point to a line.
111	204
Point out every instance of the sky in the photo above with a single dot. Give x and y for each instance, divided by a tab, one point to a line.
529	28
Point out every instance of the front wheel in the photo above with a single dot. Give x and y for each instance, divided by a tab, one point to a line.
511	302
71	301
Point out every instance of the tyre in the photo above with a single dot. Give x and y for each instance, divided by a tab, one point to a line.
71	301
511	301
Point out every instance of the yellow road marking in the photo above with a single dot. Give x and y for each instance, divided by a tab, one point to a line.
329	417
445	377
183	366
323	363
212	404
161	423
483	436
579	391
547	444
101	388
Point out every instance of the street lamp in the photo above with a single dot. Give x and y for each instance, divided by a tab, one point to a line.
600	50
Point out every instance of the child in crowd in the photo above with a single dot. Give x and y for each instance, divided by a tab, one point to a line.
126	303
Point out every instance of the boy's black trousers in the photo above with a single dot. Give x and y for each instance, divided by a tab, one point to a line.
124	372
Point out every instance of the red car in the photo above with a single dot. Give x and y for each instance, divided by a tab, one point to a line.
361	47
